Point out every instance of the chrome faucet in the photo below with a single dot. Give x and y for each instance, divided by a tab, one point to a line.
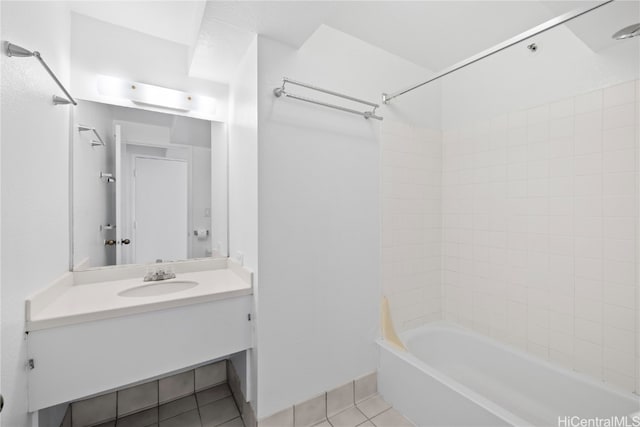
159	274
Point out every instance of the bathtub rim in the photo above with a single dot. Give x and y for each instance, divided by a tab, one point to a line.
477	398
582	377
454	385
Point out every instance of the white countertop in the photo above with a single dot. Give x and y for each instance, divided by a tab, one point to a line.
76	303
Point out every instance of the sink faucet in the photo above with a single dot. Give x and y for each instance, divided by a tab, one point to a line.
159	274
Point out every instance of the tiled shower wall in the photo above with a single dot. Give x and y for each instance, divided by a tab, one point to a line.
411	222
540	212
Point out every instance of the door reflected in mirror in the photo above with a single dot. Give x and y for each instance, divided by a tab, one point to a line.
147	186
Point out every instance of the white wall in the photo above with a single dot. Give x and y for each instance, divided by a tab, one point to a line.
319	215
243	179
219	189
1	80
243	161
35	180
100	48
540	202
516	79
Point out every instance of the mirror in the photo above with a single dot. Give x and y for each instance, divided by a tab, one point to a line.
147	186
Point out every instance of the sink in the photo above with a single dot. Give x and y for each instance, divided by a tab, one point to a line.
158	288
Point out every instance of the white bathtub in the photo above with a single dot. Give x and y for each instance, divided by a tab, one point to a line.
454	377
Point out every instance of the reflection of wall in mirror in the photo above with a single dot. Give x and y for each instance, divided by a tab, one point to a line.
92	204
143	133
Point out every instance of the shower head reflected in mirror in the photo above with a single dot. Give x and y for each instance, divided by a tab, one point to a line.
627	32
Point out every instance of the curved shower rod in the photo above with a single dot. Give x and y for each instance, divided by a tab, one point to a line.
15	50
552	23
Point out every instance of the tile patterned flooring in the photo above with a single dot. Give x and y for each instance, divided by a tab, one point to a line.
212	407
371	412
215	407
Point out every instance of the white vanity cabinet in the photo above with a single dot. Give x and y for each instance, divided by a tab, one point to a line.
84	354
74	361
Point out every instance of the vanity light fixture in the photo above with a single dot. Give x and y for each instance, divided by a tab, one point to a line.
156	96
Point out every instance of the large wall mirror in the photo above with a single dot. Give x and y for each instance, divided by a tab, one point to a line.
147	186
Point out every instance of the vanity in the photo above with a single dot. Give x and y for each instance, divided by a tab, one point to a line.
96	330
147	186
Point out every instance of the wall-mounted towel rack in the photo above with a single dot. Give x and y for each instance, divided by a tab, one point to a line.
83	128
280	91
15	50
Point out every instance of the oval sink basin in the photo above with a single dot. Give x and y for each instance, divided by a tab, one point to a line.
158	288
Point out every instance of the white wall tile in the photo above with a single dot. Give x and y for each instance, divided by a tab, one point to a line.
618	206
588	330
619	184
623	93
587	352
587	124
562	278
619	272
588	164
619	339
619	161
588	102
619	138
619	116
412	216
619	295
619	317
588	142
560	109
619	227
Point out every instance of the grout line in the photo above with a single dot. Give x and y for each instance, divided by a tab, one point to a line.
196	397
602	244
293	414
573	234
117	395
326	406
353	390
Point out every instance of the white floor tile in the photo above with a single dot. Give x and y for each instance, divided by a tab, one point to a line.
391	418
373	406
349	418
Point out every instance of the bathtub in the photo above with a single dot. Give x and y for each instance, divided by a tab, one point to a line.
454	377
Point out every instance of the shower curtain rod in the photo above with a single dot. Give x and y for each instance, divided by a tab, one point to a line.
552	23
280	91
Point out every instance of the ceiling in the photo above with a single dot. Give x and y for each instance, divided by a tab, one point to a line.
431	34
176	21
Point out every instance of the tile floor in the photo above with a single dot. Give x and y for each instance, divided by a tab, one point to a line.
371	412
212	407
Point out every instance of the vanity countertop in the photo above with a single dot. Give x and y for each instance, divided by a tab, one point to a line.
68	302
